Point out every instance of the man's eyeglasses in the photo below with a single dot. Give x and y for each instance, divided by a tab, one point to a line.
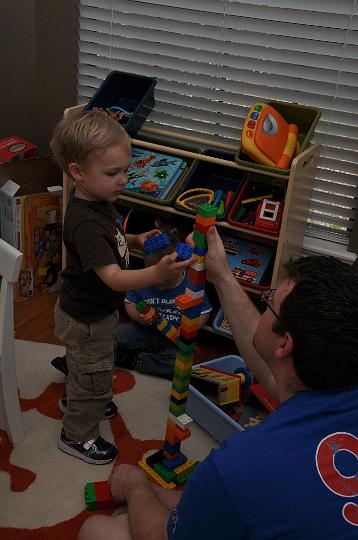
266	297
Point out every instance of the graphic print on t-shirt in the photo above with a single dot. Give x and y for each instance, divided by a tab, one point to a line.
121	243
339	483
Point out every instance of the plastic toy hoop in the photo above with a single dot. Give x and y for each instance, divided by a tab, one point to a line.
203	194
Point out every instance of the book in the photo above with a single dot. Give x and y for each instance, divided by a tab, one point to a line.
248	260
153	174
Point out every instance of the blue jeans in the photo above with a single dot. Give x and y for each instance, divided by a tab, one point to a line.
155	353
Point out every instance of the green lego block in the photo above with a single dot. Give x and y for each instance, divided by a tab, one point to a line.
167	476
175	409
90	496
199	239
180	387
182	378
206	210
187	349
182	374
182	478
140	305
185	356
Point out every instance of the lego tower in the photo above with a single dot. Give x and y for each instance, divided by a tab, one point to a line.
169	466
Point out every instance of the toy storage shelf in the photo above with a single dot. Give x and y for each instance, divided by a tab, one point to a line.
297	201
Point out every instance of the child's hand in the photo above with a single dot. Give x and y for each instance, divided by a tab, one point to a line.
141	238
144	319
169	268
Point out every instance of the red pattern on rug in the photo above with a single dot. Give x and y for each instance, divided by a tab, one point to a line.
130	451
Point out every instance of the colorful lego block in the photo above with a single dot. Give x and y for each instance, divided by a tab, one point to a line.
163	325
184	301
183	421
206	210
98	496
156	243
184	251
171	465
155	476
200	240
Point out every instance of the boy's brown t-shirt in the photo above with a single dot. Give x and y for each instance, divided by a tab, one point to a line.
93	236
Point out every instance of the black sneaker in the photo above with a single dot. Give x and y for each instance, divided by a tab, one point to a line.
96	451
111	408
125	359
60	363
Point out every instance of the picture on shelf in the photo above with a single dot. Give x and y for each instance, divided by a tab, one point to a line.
249	261
153	174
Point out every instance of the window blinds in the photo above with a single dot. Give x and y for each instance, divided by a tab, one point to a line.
215	58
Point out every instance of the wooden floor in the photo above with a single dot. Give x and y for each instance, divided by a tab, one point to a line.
34	322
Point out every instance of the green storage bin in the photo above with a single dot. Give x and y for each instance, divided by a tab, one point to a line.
305	118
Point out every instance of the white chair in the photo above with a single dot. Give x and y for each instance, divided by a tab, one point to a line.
10	264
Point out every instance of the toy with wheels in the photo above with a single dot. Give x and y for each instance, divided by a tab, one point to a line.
267	138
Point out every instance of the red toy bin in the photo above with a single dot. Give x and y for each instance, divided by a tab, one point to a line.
252	189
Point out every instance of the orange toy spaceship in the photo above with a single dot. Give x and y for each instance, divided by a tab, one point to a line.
267	138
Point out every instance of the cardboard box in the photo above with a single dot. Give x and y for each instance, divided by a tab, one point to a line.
14	148
31	221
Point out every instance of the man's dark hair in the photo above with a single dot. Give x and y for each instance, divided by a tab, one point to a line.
321	314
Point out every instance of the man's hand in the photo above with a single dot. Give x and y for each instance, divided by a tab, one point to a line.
125	478
215	259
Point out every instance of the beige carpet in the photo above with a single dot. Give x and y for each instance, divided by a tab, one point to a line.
41	488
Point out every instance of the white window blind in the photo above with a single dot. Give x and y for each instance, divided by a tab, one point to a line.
215	58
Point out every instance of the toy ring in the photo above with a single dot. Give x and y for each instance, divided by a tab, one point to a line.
196	194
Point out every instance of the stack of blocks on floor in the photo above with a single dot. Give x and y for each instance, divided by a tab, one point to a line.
169	467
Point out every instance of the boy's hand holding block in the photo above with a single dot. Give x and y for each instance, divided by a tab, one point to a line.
98	496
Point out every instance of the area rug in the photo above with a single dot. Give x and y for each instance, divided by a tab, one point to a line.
41	488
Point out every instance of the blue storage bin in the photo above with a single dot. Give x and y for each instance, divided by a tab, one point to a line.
212	176
217	322
133	93
214	420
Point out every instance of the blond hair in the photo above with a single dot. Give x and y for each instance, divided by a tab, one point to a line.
76	137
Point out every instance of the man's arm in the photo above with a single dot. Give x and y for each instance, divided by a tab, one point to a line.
147	514
239	310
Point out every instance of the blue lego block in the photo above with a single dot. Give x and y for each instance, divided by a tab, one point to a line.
193	312
156	243
172	449
200	251
173	464
184	251
195	286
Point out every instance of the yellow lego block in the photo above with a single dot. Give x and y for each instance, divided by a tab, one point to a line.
152	474
185	467
177	395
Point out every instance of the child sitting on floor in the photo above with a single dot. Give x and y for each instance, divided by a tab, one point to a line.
140	345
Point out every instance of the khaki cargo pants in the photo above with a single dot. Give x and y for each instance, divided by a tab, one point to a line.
90	360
